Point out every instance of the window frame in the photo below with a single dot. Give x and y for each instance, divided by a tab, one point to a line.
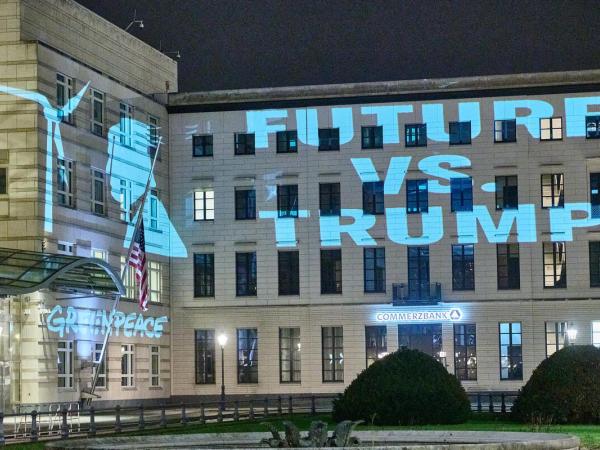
519	374
97	126
463	269
295	357
67	85
251	377
465	330
67	166
202	212
247	262
557	330
501	194
420	203
595	118
331	142
204	271
503	131
204	145
67	348
126	112
155	374
418	131
208	353
371	137
102	379
373	198
128	357
562	284
557	187
284	139
246	210
459	131
98	176
457	187
331	266
337	332
287	201
155	281
378	273
551	129
379	350
331	199
244	144
508	254
288	259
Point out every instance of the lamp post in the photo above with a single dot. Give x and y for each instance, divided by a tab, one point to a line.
222	339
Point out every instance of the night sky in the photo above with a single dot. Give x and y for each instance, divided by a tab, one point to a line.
232	44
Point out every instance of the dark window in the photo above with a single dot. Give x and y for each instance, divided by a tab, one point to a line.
245	274
556	337
202	145
373	197
416	196
204	275
245	204
553	190
418	272
426	338
595	194
244	143
329	139
372	137
289	273
247	348
289	355
287	141
551	129
329	199
415	135
375	343
594	263
460	133
287	200
555	265
331	271
374	269
507	192
461	194
505	130
332	346
509	273
592	127
511	353
465	352
205	356
463	267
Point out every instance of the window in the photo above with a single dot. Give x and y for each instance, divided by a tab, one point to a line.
245	274
289	355
64	93
245	204
202	145
465	352
125	200
98	192
508	267
100	366
65	364
125	116
375	343
204	348
426	338
64	182
331	271
596	334
128	279
153	198
99	254
592	127
415	135
553	190
374	269
247	348
204	205
511	353
204	275
460	133
287	141
416	196
461	194
556	337
244	143
418	272
505	130
65	248
329	199
153	126
3	181
507	192
373	197
551	129
594	249
555	265
372	137
127	365
595	194
97	112
463	267
289	273
332	346
155	280
154	365
329	139
287	200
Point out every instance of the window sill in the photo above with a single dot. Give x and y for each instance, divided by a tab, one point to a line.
155	388
128	388
65	389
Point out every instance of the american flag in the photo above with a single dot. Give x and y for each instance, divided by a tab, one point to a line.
137	260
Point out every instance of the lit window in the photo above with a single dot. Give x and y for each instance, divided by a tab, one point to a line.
592	127
127	365
153	209
511	352
555	265
204	205
65	248
332	354
128	279
98	192
375	343
556	337
247	345
154	366
153	126
465	352
505	130
125	116
64	93
553	190
155	280
596	333
97	112
125	200
65	364
289	355
551	129
65	186
100	366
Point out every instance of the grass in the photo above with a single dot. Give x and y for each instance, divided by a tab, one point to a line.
589	434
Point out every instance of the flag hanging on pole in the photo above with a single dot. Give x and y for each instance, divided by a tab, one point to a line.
137	260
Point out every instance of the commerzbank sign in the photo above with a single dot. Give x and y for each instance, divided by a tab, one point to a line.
420	315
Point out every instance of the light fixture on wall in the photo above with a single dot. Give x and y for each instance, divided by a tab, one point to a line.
571	333
135	21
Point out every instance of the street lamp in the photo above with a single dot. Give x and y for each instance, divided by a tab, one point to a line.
222	339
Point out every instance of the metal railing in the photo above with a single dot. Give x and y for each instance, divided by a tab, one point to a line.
423	293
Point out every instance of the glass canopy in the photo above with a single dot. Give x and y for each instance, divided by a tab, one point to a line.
23	272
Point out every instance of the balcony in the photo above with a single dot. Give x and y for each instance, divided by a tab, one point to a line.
416	294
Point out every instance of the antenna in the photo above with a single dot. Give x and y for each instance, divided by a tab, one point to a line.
139	22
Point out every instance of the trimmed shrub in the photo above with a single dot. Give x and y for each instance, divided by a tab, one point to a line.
564	388
406	387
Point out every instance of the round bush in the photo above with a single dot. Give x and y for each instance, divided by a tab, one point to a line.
406	387
565	388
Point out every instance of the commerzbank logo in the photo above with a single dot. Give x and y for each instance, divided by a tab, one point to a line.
416	315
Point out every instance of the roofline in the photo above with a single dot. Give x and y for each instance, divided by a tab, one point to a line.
403	89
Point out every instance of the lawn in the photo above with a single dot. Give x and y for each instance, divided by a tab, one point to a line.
589	434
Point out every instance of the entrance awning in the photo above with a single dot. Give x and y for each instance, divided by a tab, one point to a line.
23	272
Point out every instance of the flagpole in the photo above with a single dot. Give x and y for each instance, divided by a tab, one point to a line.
140	215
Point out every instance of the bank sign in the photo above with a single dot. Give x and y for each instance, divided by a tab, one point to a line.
418	315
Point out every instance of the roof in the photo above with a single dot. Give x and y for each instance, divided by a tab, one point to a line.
23	272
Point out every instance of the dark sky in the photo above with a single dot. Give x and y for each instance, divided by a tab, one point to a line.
230	44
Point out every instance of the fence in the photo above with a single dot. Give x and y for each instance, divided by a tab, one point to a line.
65	421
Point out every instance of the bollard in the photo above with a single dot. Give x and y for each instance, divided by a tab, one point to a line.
491	405
163	416
34	427
202	416
118	419
290	407
2	439
236	411
220	415
92	430
141	422
313	408
479	402
64	428
502	404
184	419
251	412
279	409
266	408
